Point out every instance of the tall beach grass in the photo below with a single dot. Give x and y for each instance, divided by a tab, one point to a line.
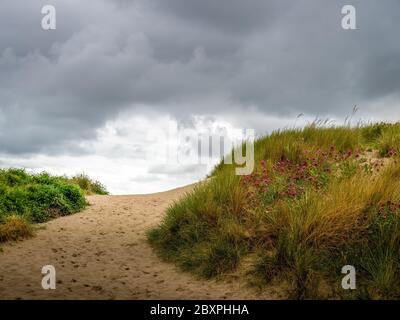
318	199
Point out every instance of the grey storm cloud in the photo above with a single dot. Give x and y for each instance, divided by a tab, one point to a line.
278	57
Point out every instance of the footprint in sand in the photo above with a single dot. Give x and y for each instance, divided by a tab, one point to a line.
114	247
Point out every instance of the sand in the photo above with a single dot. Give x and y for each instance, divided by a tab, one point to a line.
102	253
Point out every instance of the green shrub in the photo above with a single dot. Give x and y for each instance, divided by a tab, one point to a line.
40	197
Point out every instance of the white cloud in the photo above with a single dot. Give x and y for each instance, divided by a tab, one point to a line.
128	156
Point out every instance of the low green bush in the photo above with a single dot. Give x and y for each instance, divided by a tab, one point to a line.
36	198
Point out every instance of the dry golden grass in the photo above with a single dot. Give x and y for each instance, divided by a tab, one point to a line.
15	227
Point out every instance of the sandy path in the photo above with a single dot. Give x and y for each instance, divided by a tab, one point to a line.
102	253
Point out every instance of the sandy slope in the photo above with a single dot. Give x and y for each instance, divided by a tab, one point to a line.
102	253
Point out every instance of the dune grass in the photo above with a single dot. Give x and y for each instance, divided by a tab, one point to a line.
88	186
34	198
318	199
15	227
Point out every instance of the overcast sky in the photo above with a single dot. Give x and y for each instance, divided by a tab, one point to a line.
92	95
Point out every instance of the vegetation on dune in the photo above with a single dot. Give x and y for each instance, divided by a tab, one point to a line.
14	227
318	199
88	186
31	198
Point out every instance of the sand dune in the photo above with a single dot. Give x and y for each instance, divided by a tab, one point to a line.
102	253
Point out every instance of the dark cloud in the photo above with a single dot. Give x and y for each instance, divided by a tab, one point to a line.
186	57
232	17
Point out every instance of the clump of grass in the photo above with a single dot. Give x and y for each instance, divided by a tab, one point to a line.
309	207
213	212
14	228
385	137
389	141
89	186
